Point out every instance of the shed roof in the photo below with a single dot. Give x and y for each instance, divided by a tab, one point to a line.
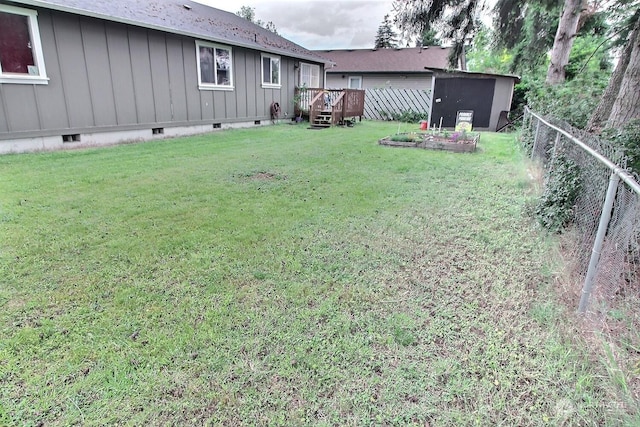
404	60
183	17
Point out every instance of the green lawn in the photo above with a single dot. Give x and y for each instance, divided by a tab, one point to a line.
283	276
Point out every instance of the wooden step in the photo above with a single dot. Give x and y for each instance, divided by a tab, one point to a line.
322	120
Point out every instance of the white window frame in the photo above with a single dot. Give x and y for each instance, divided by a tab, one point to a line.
358	78
213	86
311	68
269	84
36	48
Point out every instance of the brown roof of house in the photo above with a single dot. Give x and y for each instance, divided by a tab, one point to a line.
404	60
183	17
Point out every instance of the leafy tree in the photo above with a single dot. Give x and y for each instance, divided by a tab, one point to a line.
529	28
483	56
386	37
249	13
271	27
587	74
526	29
586	57
565	36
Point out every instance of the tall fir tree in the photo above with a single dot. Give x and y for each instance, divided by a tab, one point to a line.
457	19
429	37
386	37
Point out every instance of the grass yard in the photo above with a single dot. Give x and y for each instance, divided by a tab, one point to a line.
282	276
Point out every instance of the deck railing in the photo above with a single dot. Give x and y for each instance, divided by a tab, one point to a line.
317	105
343	103
353	104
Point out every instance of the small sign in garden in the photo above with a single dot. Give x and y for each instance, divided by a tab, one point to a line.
464	121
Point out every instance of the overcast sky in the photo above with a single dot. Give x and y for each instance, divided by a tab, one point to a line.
328	24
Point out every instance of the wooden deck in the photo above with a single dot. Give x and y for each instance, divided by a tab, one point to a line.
328	107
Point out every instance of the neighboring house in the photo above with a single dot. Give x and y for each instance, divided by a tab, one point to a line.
84	72
405	68
426	69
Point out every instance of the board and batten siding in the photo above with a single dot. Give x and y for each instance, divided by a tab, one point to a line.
106	76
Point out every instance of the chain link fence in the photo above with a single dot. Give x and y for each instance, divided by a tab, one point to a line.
600	219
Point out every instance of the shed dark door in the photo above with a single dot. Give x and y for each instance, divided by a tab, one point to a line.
462	94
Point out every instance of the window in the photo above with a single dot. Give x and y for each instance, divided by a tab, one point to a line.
270	71
215	66
21	58
355	82
309	75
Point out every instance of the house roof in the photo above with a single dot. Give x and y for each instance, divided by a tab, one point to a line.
404	60
183	17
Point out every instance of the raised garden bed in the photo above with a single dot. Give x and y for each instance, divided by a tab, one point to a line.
459	142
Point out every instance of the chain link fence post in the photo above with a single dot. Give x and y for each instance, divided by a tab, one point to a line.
605	216
535	139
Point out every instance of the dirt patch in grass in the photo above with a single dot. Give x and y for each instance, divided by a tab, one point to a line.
261	176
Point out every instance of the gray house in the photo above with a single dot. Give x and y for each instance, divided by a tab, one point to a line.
424	69
88	72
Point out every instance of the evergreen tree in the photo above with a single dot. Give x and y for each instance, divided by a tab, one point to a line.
429	37
458	19
526	29
386	37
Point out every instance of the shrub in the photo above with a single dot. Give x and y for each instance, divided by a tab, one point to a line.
627	137
410	116
562	186
519	99
573	101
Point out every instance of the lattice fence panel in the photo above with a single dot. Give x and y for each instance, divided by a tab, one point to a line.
382	104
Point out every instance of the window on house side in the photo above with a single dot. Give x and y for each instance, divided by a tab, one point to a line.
215	66
309	75
355	82
270	71
21	58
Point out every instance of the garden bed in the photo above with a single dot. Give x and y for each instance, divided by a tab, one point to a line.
459	142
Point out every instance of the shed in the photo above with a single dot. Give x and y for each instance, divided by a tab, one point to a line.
424	69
